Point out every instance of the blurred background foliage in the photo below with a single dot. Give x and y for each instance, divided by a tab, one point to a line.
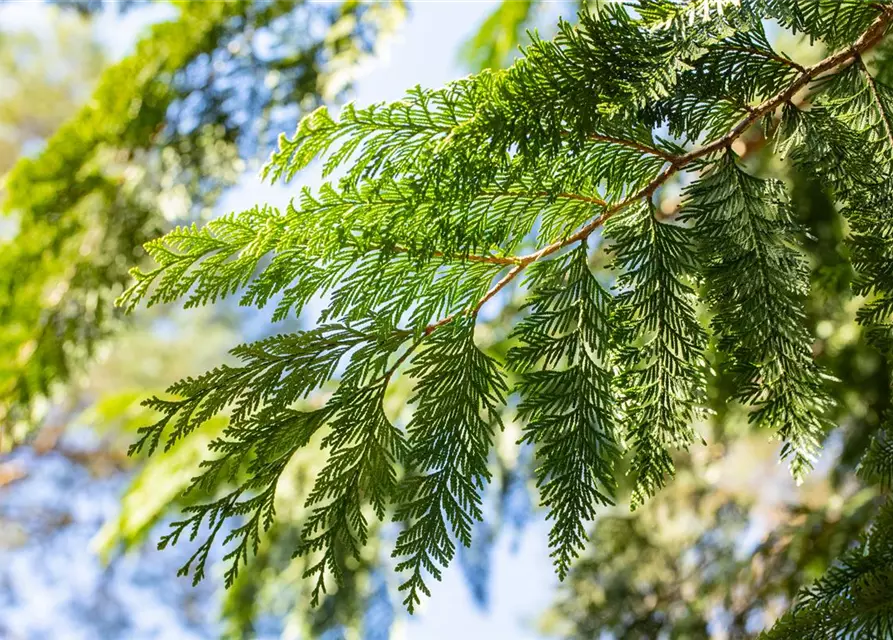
100	155
166	130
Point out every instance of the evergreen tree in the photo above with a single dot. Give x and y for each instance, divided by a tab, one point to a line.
448	196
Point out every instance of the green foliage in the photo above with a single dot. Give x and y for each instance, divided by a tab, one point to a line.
222	256
158	140
456	400
499	35
756	283
448	195
877	465
852	600
705	557
363	449
66	191
660	343
264	434
568	404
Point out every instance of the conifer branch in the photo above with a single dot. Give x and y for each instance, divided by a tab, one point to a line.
546	194
767	55
864	43
424	228
496	288
503	260
632	144
875	96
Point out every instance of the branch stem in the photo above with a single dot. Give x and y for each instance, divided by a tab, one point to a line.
835	61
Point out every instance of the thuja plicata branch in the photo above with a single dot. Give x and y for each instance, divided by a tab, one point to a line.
674	164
